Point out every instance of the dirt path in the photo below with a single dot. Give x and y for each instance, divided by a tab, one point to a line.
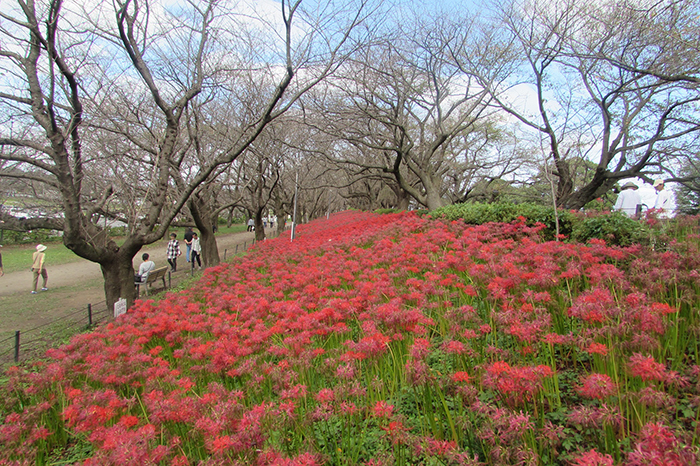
76	284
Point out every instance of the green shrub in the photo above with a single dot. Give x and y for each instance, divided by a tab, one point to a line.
117	231
29	237
613	227
477	214
387	211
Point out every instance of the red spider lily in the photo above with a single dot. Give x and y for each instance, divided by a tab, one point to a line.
298	333
593	458
597	348
646	368
396	431
597	386
658	445
461	377
516	383
382	409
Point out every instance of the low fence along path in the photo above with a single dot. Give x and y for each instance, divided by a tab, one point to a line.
75	298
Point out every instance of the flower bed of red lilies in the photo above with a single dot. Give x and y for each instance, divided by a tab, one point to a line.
385	340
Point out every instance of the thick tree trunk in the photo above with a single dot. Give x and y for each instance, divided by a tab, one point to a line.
595	188
259	228
118	276
403	198
204	220
433	200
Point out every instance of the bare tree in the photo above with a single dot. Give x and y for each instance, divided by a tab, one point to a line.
130	80
413	112
601	90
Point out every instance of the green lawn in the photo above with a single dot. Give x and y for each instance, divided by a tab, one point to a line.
19	257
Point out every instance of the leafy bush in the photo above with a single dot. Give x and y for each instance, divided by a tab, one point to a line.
614	227
29	237
477	214
44	236
117	231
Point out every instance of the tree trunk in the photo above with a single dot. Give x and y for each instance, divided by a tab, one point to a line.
259	228
204	220
595	188
118	276
433	200
403	198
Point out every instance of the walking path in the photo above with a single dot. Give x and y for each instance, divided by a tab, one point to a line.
76	284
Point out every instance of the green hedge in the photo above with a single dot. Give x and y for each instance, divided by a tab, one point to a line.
29	237
615	228
477	214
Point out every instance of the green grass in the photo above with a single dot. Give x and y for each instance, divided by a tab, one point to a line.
224	230
19	257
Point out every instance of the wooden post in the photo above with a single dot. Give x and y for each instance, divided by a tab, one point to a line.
17	346
90	314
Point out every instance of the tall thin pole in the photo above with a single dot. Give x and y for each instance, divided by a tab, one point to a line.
294	214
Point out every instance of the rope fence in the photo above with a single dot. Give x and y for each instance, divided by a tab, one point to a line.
29	344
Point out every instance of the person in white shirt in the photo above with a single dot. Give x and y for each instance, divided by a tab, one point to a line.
664	200
628	199
196	251
144	269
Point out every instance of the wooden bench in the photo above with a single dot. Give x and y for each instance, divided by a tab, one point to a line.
153	276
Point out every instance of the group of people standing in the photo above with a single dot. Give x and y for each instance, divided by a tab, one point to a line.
193	253
629	201
266	221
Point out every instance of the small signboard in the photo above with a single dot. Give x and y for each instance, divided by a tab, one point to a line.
119	308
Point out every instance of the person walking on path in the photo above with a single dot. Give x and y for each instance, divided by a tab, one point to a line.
188	242
196	251
628	199
38	267
173	252
251	224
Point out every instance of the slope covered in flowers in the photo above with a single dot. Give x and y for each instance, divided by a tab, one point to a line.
385	340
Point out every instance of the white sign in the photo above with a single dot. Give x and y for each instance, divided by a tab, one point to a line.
119	308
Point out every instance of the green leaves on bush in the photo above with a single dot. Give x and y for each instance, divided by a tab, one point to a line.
615	228
477	214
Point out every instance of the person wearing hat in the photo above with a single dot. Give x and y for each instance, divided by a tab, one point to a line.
628	199
664	200
38	267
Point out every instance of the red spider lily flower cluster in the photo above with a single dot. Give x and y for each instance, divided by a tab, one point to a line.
385	339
